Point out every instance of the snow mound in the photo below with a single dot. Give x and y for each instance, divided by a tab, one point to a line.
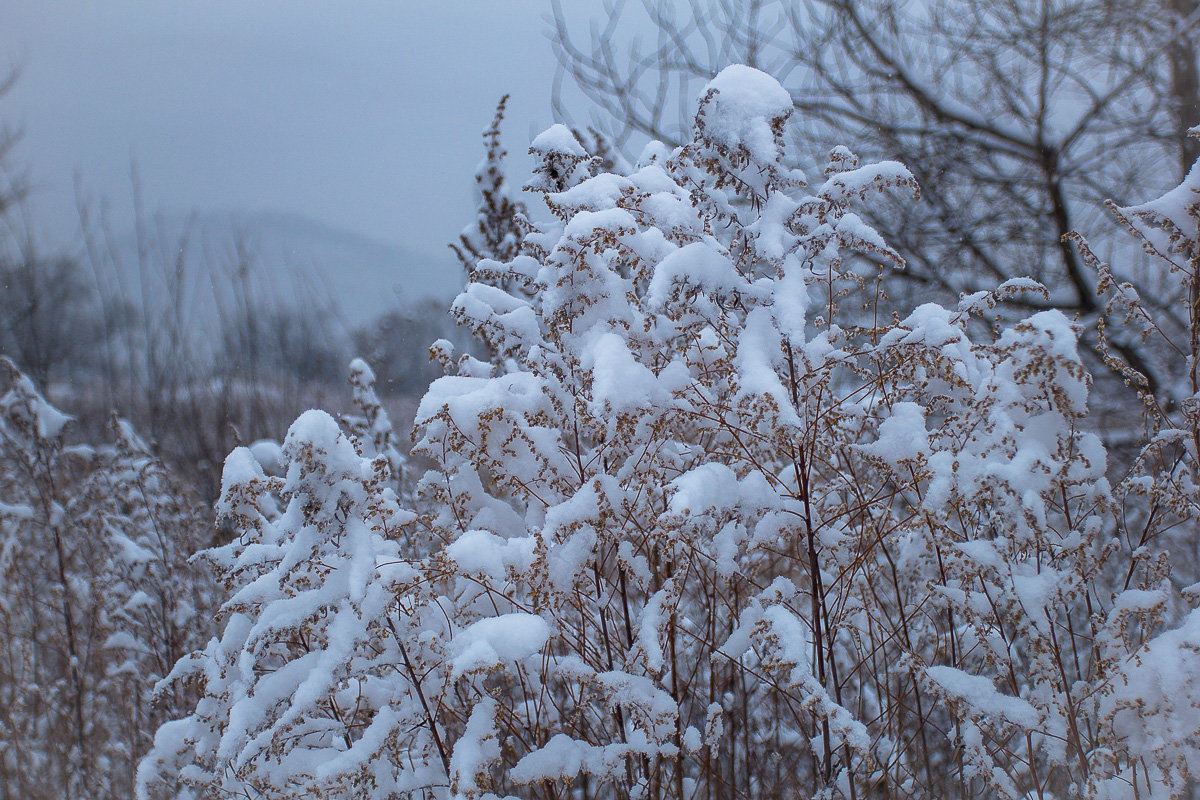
747	102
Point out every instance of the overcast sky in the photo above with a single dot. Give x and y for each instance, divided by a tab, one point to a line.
362	115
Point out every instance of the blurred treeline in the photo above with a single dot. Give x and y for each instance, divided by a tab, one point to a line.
188	333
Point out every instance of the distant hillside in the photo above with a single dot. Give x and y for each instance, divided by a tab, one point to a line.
290	261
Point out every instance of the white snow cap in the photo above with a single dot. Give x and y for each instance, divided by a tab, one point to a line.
494	640
269	454
557	139
747	100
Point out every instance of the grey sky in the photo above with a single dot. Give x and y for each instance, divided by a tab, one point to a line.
362	115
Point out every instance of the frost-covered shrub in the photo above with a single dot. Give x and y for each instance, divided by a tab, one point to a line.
712	520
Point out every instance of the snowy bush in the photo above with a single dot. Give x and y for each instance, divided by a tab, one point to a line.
498	228
712	520
97	600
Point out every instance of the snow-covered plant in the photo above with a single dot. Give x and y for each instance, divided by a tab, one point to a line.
1163	310
154	605
498	227
371	427
1156	706
780	539
47	675
711	520
97	600
305	692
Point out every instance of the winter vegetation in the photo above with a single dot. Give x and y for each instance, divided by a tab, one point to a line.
703	495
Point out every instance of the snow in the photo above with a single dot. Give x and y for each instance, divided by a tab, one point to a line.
490	642
648	631
465	398
697	264
485	552
978	693
1021	285
241	467
747	102
359	367
22	512
612	220
757	355
564	757
557	139
317	429
1177	205
902	435
50	421
619	382
269	455
845	186
600	191
478	747
714	486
